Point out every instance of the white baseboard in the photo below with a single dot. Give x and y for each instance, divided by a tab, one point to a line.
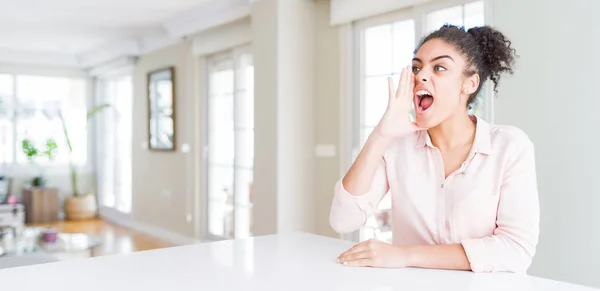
125	220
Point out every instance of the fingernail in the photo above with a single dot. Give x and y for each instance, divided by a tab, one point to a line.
345	263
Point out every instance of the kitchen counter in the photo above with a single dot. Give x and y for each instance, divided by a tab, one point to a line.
295	261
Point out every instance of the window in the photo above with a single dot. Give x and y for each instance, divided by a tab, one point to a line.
385	45
162	121
115	144
30	108
230	145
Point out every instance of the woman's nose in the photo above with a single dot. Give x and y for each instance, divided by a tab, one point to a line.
422	76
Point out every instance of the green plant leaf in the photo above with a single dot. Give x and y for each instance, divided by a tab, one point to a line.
51	147
64	126
74	180
29	149
96	109
91	113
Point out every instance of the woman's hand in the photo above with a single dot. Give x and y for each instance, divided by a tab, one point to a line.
374	253
396	122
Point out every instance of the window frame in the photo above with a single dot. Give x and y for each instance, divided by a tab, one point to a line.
356	49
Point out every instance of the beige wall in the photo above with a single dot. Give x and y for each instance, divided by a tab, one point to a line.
264	46
284	60
327	114
163	182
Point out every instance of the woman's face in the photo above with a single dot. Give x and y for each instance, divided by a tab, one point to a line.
441	88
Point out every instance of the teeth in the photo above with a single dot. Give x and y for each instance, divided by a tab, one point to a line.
422	92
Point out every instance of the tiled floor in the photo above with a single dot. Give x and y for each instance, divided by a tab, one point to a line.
114	239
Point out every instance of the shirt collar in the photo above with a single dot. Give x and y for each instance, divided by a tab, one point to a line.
482	143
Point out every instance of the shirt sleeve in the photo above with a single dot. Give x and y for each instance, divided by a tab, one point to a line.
513	243
349	212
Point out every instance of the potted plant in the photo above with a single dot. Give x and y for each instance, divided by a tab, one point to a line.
31	152
79	205
41	202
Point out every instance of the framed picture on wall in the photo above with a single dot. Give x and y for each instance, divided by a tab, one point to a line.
161	109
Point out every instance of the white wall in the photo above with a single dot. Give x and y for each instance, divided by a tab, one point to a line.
343	11
223	37
554	97
296	94
327	114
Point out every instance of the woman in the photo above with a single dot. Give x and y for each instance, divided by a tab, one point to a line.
464	192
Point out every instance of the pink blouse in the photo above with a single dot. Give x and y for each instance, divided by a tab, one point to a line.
489	205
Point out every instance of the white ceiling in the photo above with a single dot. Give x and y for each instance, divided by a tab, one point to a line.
71	29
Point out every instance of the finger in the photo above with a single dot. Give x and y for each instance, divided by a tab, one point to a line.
353	249
411	84
344	254
404	83
359	247
391	88
408	82
359	263
357	256
401	83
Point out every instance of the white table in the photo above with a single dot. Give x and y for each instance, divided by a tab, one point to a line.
280	262
25	260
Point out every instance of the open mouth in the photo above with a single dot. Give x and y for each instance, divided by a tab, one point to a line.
424	99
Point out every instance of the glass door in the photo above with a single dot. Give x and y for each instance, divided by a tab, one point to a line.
230	144
115	144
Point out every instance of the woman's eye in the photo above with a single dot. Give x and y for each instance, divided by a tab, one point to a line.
439	68
415	69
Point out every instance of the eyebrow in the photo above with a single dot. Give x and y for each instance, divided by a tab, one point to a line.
435	59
